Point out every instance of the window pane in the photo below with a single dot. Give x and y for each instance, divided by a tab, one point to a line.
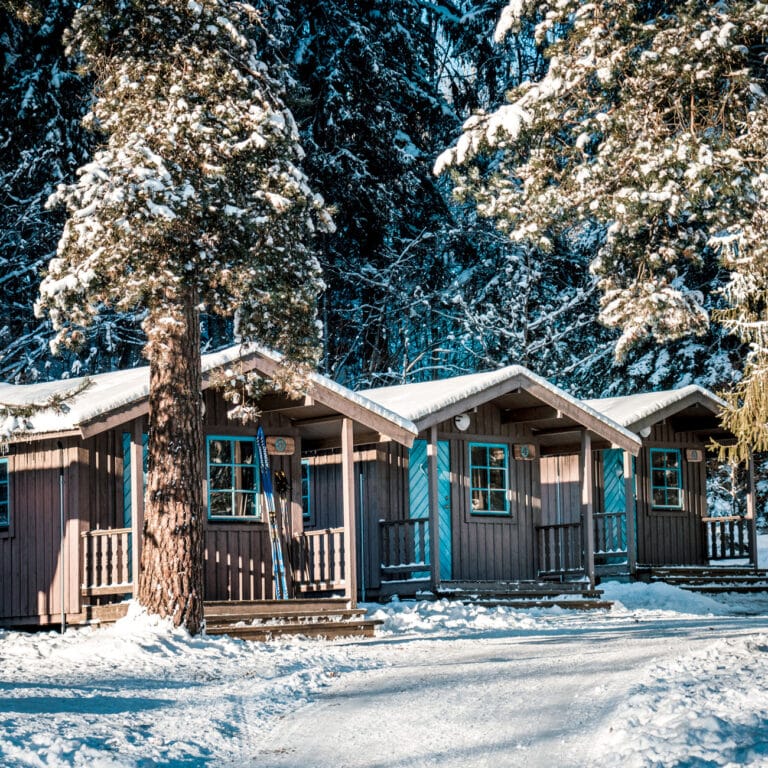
659	497
3	492
4	519
658	477
479	456
498	457
479	478
658	459
245	505
498	501
3	471
245	451
479	500
671	478
220	477
498	479
220	505
248	478
220	452
673	497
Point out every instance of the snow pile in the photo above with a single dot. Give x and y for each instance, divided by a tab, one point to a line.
447	617
708	708
140	693
658	597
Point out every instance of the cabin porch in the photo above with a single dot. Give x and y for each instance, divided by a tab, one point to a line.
316	564
318	607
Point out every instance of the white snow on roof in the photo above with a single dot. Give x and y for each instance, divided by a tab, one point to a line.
417	401
632	409
108	392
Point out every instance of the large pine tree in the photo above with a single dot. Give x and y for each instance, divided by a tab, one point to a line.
193	200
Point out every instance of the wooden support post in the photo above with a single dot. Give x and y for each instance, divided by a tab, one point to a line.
434	508
350	512
630	512
587	493
137	501
751	515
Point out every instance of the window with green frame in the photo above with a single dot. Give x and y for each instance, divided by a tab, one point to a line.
488	473
666	478
233	478
5	499
306	501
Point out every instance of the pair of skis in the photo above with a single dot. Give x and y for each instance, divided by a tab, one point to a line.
278	563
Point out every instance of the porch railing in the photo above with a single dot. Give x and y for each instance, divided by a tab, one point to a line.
610	533
728	538
318	559
560	549
404	547
106	562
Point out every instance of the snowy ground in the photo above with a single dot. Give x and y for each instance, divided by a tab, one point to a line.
663	679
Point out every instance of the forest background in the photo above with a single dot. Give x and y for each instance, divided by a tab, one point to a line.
418	285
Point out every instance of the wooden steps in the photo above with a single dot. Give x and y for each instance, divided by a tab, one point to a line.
525	594
711	580
266	619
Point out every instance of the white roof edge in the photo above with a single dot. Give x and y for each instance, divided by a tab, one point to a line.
481	381
609	422
657	401
137	388
238	351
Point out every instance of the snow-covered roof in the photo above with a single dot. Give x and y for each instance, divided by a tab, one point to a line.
421	402
645	408
106	393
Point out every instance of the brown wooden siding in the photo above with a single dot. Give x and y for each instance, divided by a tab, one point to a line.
671	537
101	476
560	489
30	553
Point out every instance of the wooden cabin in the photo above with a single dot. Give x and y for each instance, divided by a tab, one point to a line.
675	524
72	491
479	496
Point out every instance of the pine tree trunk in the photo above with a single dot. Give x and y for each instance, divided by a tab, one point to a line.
171	581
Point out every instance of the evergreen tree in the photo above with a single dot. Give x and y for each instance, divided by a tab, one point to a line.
42	102
649	125
193	199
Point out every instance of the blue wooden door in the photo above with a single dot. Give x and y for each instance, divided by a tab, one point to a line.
418	481
611	526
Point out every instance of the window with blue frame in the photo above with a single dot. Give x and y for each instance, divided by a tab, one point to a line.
233	478
5	499
666	478
306	501
488	473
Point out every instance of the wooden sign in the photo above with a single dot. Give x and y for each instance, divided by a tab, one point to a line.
280	446
694	455
525	451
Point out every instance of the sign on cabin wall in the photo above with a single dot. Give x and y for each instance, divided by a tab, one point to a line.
694	454
525	451
280	446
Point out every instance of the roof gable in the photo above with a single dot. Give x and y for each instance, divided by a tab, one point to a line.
429	403
645	409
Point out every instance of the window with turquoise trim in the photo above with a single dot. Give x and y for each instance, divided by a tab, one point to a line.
306	501
666	478
5	500
488	472
233	478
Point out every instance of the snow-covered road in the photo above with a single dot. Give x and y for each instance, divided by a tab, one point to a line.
543	697
663	679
